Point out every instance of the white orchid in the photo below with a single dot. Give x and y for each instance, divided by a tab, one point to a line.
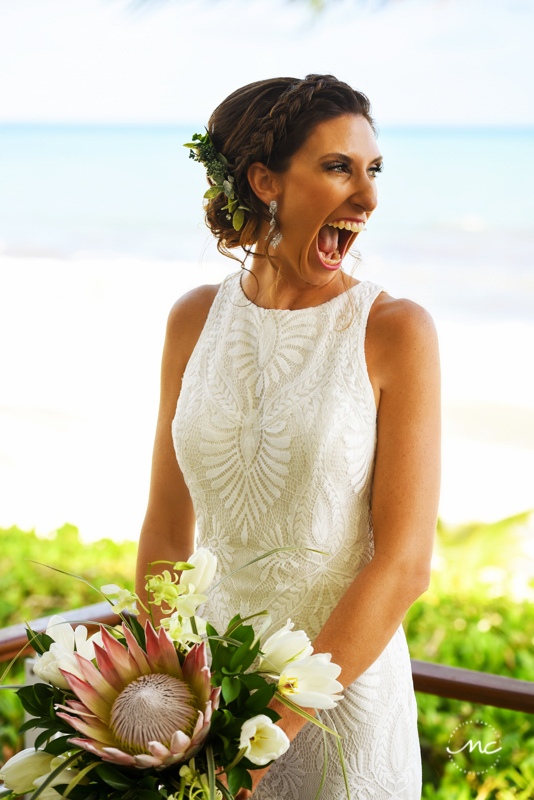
205	567
284	646
67	640
124	600
264	741
178	596
187	604
310	681
181	631
22	769
194	779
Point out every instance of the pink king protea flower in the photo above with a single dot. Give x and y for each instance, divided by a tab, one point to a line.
142	709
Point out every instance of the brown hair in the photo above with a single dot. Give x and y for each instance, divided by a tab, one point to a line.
269	121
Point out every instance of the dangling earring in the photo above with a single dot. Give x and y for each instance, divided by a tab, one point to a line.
273	208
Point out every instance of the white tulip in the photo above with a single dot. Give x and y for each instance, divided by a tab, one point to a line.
20	771
205	567
264	741
310	682
47	666
61	652
284	646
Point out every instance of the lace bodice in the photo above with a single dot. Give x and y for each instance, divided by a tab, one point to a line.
275	434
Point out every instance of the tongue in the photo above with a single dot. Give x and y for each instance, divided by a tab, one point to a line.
328	239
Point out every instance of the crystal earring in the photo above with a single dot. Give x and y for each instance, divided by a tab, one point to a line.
273	208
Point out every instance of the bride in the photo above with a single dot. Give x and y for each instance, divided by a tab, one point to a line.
300	406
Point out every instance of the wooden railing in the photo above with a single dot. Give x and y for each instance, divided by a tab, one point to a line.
453	682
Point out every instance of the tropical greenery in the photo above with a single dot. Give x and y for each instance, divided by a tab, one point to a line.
473	616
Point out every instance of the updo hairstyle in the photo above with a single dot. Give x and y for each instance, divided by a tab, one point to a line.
269	121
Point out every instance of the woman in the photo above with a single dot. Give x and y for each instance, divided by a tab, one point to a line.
302	407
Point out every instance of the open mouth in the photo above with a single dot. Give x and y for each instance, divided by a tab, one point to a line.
334	238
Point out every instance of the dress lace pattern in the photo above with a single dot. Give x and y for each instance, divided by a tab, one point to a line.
275	434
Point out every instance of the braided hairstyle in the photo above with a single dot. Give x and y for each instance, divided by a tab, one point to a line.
268	121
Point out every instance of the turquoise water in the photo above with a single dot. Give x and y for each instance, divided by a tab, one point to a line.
133	190
454	226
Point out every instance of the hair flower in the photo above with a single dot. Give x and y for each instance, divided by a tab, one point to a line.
203	150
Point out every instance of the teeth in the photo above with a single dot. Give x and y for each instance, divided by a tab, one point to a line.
331	261
355	227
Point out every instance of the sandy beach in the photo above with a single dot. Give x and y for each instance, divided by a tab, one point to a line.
81	352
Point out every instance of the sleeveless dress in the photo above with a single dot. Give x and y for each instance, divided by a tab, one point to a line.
275	434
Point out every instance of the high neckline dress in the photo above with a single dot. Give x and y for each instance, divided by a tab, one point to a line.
275	433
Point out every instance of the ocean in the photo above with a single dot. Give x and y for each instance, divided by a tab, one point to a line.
101	230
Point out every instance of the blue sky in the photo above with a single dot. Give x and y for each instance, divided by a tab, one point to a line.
419	61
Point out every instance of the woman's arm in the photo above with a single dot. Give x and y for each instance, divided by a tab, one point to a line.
404	356
168	531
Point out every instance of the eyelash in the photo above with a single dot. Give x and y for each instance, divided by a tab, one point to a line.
376	169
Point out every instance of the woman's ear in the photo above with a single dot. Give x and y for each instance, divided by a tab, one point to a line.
262	182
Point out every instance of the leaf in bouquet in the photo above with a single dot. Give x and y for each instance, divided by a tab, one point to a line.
233	626
137	630
230	688
43	737
79	792
323	776
305	714
239	757
60	745
70	574
237	778
113	777
211	771
146	794
43	640
34	722
254	681
265	555
39	722
249	657
67	763
261	698
43	692
210	630
340	751
225	793
27	698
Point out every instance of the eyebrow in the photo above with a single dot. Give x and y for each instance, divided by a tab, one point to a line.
347	160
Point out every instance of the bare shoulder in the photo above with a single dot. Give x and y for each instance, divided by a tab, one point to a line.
188	316
401	337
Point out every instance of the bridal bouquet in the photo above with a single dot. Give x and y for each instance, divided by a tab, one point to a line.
138	714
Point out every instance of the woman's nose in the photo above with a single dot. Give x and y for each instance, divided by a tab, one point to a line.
365	195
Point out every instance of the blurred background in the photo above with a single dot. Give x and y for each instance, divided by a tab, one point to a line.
101	231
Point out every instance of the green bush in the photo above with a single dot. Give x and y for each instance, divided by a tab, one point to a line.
29	591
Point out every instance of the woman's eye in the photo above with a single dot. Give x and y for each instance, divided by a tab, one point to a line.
336	167
376	168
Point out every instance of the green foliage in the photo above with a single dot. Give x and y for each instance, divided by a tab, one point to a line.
29	591
203	150
465	620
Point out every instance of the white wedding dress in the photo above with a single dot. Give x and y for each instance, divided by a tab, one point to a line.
275	433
